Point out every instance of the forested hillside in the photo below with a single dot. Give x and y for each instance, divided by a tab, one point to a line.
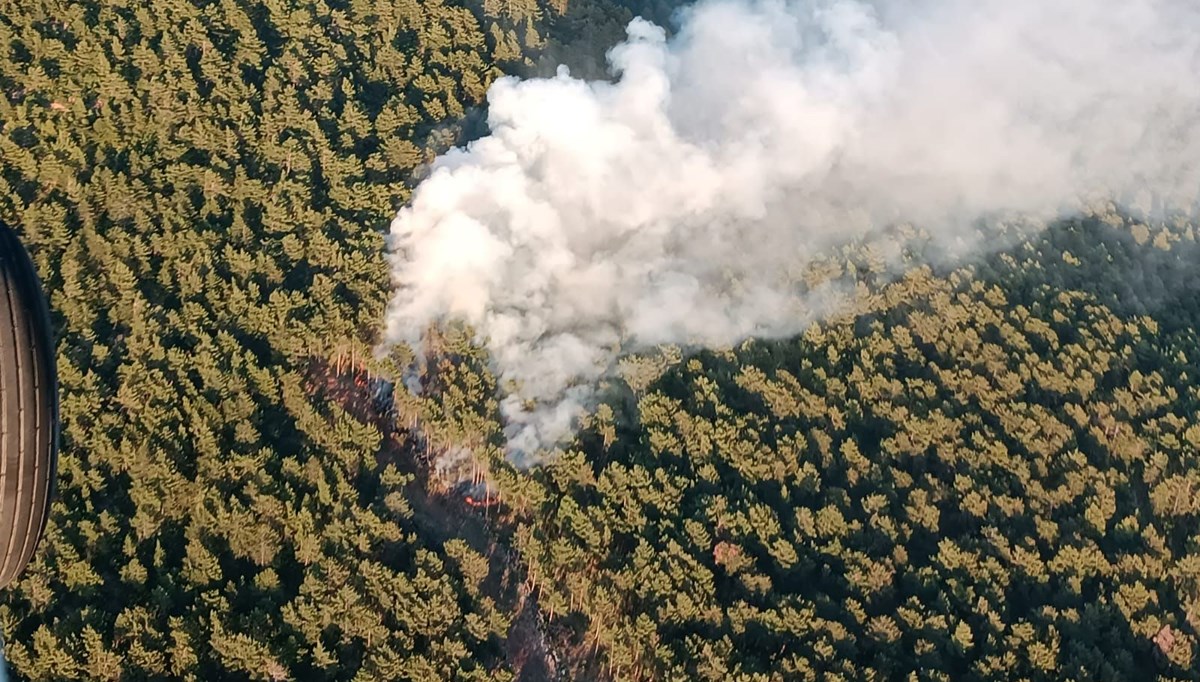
990	475
978	472
203	186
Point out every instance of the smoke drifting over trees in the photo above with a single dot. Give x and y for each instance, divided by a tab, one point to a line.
680	202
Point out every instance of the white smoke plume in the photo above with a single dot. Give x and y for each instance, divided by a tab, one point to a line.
676	203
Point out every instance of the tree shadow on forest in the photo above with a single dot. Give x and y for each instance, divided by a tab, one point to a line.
1130	276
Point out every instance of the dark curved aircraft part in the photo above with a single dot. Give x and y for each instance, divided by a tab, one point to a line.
28	408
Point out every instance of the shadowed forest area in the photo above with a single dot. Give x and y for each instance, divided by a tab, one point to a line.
978	472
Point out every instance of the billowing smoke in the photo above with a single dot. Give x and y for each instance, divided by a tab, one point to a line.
677	203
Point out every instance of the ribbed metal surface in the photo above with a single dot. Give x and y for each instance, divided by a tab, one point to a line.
28	409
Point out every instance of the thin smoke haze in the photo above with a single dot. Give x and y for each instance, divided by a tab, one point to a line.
677	203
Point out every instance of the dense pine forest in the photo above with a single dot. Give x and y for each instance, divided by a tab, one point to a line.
982	471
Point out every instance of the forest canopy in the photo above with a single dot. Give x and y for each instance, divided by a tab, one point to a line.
977	472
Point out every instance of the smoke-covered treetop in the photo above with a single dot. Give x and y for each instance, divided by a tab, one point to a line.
681	201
